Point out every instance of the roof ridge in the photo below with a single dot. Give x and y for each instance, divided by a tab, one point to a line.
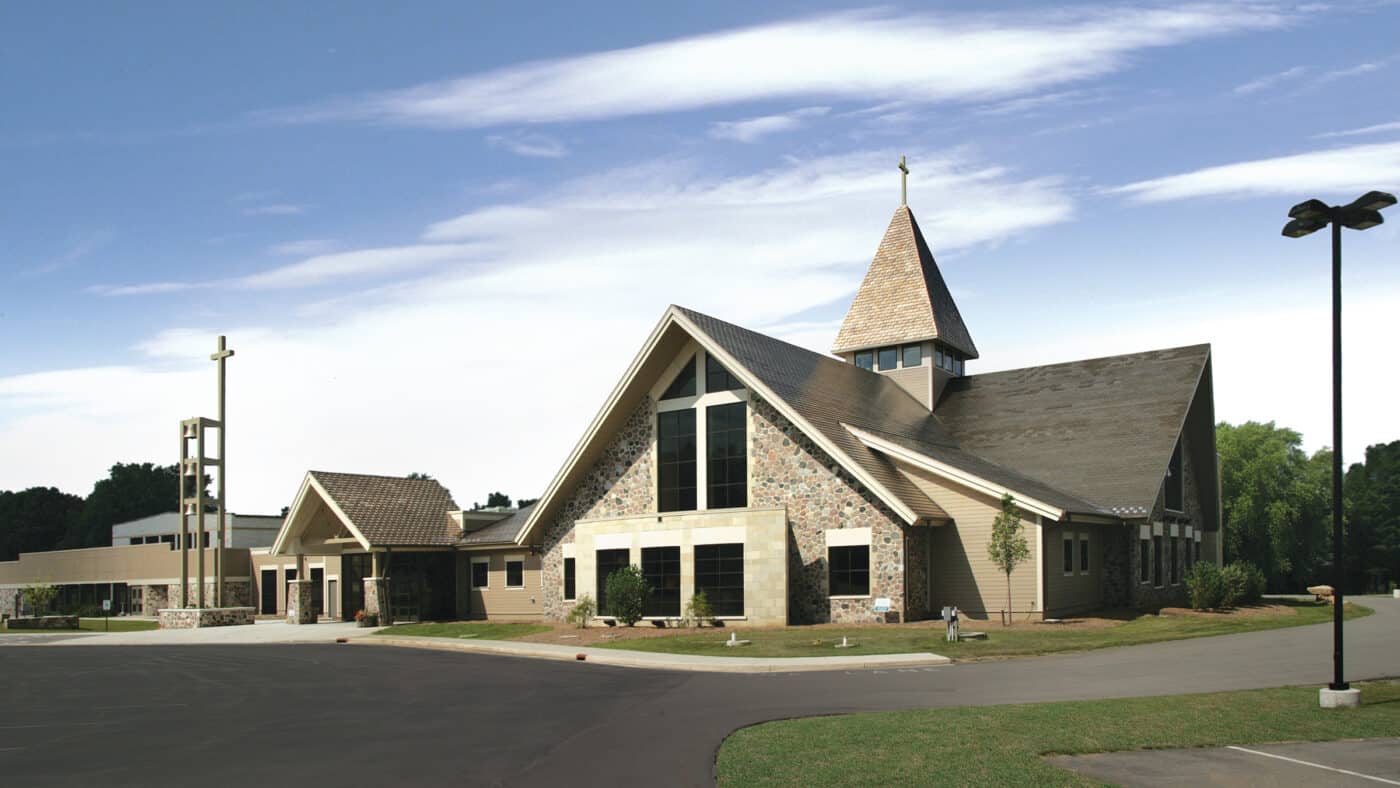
1082	361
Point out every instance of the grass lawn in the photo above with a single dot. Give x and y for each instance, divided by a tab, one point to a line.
1003	745
1017	641
95	625
483	630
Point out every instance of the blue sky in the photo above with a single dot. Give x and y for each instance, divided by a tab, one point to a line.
436	233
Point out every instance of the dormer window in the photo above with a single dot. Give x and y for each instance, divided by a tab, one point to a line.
865	359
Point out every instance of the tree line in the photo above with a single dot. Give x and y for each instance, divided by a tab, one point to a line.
46	518
1277	509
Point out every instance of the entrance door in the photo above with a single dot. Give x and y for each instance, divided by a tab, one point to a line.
268	590
318	591
332	599
290	575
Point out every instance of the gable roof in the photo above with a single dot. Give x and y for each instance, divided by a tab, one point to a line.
501	532
1100	429
392	510
903	297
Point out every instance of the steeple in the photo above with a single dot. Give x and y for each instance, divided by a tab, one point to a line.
903	298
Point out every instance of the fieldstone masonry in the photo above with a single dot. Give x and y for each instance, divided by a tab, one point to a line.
790	470
9	602
194	618
377	599
237	593
301	609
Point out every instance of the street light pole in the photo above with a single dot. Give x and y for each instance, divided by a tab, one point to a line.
1308	217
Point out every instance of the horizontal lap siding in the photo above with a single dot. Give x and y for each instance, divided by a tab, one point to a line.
963	574
496	601
1075	593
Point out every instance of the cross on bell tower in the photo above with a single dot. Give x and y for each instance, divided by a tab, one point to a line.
903	181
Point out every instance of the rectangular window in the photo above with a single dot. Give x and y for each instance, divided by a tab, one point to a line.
662	568
480	572
865	359
1176	481
608	561
913	355
717	378
1157	561
675	465
515	573
726	443
719	572
569	578
169	539
849	570
1144	559
957	366
889	358
1198	550
938	358
1176	563
1069	555
1084	554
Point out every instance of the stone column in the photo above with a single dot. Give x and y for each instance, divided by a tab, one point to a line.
300	608
377	599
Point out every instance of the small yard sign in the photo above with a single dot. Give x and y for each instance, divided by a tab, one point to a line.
106	606
882	604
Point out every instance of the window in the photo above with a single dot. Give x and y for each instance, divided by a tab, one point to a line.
608	561
1175	484
205	540
684	384
1144	558
515	572
889	358
850	570
569	578
1198	549
480	572
1069	554
1176	564
675	467
662	568
1157	561
957	366
948	361
726	443
865	359
938	358
913	355
719	572
1084	555
717	378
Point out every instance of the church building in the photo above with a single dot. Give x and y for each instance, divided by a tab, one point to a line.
796	487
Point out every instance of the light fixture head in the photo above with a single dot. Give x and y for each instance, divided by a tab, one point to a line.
1360	218
1312	209
1301	227
1373	201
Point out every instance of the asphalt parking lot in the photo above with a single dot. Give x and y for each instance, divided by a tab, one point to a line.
1298	765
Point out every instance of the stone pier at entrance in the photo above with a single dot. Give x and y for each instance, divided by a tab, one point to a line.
301	606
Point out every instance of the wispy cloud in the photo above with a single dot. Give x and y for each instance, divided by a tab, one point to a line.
1035	104
854	56
1378	128
79	247
1254	86
530	144
1340	170
309	246
147	288
275	209
754	129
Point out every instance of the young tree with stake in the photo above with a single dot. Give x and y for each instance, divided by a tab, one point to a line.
1008	547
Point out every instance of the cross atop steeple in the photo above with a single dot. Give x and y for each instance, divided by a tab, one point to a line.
903	181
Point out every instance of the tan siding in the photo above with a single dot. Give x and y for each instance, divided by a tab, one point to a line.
1076	592
963	575
915	380
498	602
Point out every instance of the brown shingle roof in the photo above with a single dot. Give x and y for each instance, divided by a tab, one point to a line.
392	510
903	297
501	532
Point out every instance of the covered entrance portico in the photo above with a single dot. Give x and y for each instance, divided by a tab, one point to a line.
369	523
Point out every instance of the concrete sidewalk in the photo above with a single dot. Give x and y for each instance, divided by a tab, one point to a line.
261	632
658	661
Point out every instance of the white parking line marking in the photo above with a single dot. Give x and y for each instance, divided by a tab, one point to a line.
1316	765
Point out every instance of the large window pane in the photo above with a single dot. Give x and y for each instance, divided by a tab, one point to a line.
569	578
865	359
719	572
675	467
684	384
889	358
662	568
1176	486
849	570
607	562
726	442
1144	558
717	378
515	574
913	355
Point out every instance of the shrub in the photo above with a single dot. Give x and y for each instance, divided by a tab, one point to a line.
1205	586
698	611
39	597
628	594
1234	580
582	611
1256	585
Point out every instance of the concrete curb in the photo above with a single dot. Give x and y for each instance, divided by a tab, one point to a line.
654	661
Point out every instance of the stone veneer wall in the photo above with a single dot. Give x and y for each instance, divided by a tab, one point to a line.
237	593
1145	596
789	470
193	618
916	558
1117	564
9	602
301	606
377	589
620	483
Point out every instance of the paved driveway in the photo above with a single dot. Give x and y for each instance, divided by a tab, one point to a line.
356	715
